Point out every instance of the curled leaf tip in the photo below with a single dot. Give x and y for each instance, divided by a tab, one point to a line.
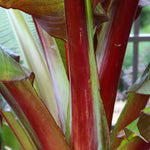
13	55
121	134
10	70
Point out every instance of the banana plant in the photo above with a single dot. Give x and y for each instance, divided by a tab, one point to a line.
59	94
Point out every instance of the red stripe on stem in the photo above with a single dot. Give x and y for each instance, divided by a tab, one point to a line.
83	135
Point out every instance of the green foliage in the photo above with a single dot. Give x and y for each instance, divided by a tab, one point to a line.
10	139
2	144
145	20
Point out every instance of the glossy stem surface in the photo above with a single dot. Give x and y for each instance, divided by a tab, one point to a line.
113	49
82	126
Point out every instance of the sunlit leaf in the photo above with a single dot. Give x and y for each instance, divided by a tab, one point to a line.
137	133
33	58
133	142
57	73
10	139
140	127
132	129
7	38
11	54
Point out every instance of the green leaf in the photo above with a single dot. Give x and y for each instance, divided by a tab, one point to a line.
7	38
142	124
11	66
136	101
62	51
141	86
138	133
18	130
10	139
132	128
133	142
2	144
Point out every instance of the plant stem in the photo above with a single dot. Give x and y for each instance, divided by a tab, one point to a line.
111	51
87	113
82	130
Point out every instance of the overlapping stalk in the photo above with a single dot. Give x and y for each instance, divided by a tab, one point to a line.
111	50
17	87
87	114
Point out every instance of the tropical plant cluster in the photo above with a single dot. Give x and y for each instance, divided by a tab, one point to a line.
62	97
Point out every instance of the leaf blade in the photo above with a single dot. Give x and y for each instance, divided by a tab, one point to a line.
18	131
50	14
136	101
33	59
57	73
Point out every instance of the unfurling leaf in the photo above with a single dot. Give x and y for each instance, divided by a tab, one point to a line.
11	54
